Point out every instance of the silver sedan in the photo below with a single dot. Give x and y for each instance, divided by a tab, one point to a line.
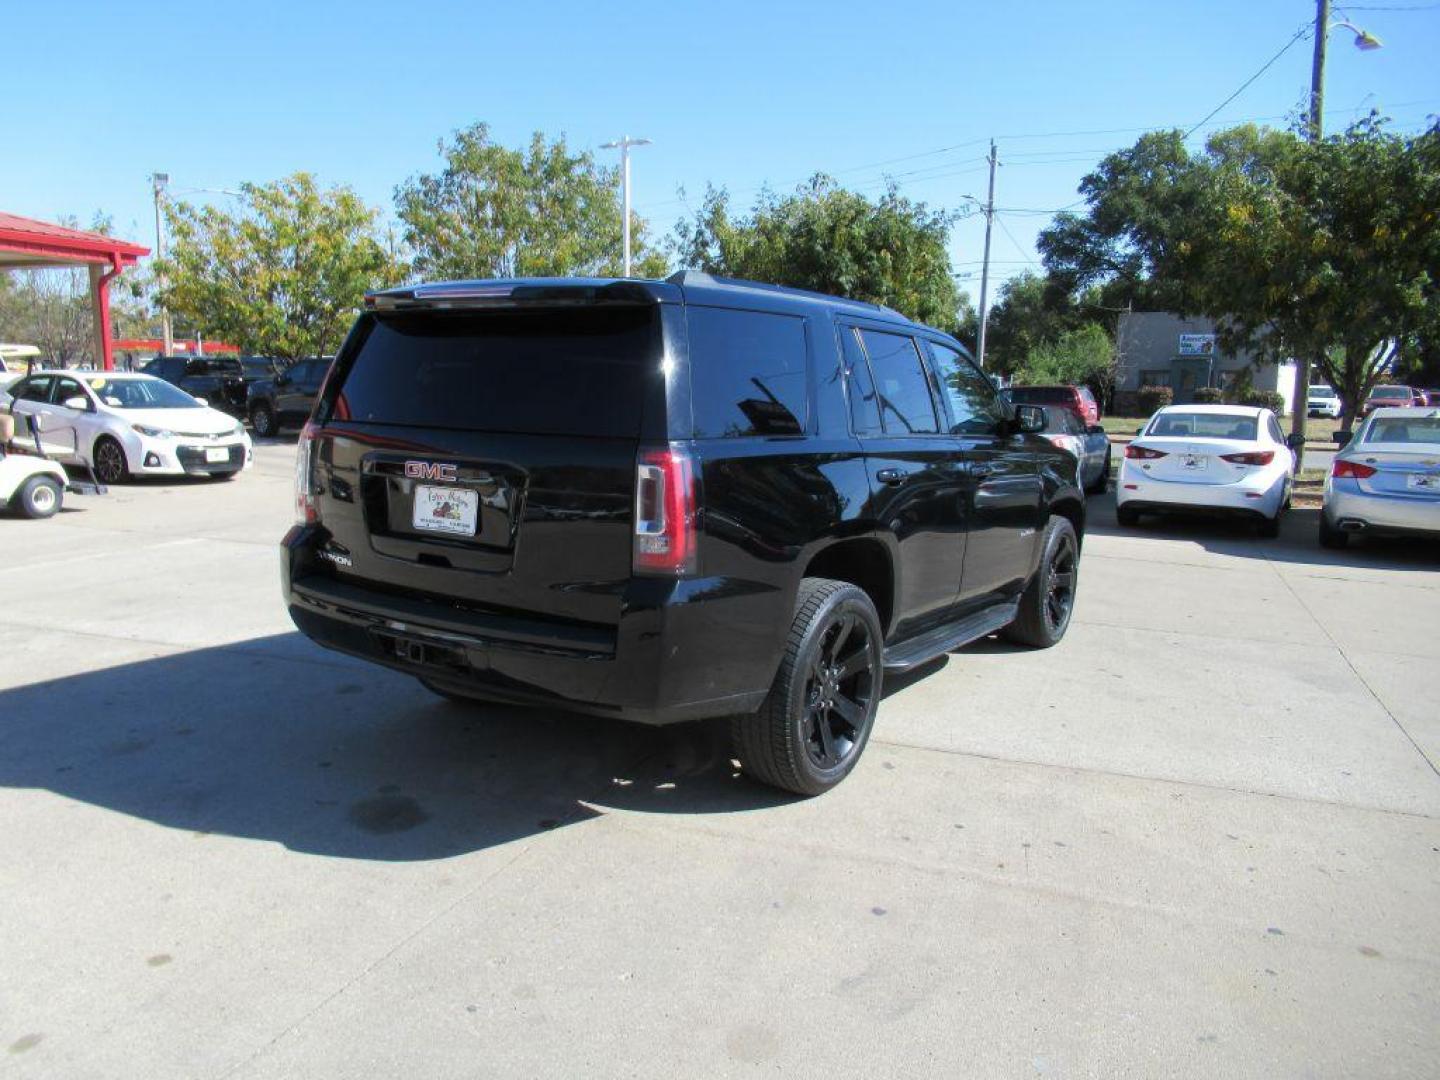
1386	479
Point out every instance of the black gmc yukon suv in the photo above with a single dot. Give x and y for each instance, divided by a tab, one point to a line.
666	500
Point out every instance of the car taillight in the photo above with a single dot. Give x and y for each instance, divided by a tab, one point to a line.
1257	457
665	512
1352	469
307	509
1061	441
1142	453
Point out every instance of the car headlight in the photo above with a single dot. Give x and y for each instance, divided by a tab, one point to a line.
238	429
154	432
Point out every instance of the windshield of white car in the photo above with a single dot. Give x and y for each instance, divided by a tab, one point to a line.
1204	426
1404	429
140	394
1321	391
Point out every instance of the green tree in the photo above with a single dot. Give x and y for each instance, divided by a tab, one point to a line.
543	211
891	252
1326	251
1083	355
284	274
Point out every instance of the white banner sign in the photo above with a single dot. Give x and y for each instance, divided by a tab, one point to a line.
1197	344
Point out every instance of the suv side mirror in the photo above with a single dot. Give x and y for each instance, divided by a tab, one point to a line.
1294	440
1342	438
1029	418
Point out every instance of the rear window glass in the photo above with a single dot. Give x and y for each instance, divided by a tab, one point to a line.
747	373
1398	392
1042	395
545	372
1404	429
1205	425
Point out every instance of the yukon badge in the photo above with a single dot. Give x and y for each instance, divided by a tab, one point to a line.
431	470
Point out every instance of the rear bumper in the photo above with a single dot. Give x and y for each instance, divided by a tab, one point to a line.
668	661
1349	509
1259	494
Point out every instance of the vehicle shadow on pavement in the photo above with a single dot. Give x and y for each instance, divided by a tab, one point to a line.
273	739
1297	543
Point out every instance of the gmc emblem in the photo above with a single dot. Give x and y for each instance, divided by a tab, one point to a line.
430	470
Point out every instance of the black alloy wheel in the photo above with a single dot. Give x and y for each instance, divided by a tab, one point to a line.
1060	587
110	467
839	691
1043	613
263	420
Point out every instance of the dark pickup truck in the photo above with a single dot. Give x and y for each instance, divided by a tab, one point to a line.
669	500
219	380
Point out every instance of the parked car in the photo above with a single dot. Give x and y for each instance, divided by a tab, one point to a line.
1090	445
1078	399
219	380
1208	459
1432	397
1323	401
1391	397
1385	480
669	500
286	399
128	424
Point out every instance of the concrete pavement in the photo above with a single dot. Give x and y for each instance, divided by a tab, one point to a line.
1201	837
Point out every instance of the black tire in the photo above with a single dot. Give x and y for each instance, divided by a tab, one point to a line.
813	726
1127	517
1332	538
39	497
225	475
262	419
109	461
1103	480
1269	528
1049	599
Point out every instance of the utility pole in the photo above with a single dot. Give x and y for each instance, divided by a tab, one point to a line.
985	265
1299	406
158	182
623	145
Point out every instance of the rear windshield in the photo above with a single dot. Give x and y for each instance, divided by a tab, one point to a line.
1205	425
1043	395
1404	429
1402	392
545	372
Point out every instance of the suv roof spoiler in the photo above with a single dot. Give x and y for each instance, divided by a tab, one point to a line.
481	294
701	278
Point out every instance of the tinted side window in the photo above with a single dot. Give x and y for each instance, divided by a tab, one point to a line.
974	407
1275	432
747	373
34	389
864	405
197	367
906	407
68	388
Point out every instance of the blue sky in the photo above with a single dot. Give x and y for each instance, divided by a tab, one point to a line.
740	95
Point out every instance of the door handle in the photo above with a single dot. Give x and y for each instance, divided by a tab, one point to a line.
891	476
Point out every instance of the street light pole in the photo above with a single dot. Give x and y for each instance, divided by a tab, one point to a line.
167	339
985	264
623	144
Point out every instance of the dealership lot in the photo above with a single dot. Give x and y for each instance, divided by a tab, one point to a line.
1200	837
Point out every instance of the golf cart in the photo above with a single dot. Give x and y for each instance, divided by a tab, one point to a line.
30	483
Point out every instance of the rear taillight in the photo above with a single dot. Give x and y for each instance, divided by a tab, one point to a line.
664	512
1062	441
307	510
1142	453
1352	469
1257	457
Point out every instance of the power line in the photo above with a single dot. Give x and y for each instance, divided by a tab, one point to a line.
1302	32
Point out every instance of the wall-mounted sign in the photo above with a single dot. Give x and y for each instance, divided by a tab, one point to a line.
1197	344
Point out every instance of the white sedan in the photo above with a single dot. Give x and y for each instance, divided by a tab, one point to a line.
128	424
1208	459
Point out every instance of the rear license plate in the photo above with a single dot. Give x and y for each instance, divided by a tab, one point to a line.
1419	481
445	510
217	454
1194	461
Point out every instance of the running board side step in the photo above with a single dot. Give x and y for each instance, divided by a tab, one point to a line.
917	650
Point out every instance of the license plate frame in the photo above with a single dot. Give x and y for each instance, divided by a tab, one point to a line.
1194	462
1419	481
448	511
217	455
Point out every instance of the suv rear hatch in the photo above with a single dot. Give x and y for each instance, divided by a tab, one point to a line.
476	469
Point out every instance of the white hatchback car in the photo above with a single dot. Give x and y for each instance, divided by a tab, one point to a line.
127	424
1208	459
